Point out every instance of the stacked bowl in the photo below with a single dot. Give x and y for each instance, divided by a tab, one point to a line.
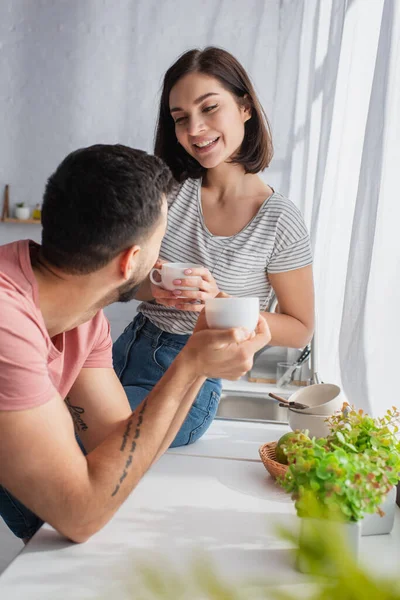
323	400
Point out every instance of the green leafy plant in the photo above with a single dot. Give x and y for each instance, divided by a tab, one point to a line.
350	472
20	205
356	431
347	485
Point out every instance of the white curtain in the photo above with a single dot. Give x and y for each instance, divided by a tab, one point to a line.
344	144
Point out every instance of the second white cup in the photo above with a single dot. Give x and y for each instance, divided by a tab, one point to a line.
228	313
171	271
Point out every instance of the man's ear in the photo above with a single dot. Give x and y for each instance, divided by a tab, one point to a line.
128	261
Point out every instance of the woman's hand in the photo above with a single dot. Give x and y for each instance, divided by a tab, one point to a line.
189	300
194	300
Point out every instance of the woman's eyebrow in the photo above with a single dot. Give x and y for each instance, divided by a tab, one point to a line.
197	101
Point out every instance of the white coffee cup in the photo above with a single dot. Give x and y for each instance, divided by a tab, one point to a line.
227	313
171	271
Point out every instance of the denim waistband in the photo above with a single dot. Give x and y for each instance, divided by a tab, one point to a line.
143	324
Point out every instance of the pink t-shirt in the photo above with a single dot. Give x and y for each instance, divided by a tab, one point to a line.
33	366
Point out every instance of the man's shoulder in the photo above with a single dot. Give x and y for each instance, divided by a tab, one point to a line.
6	249
12	298
9	253
19	318
15	268
19	315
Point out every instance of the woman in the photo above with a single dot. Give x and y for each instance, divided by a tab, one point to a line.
214	136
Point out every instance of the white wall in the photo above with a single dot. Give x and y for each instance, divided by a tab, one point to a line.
79	72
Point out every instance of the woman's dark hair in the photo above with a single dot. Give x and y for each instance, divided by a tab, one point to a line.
100	201
256	150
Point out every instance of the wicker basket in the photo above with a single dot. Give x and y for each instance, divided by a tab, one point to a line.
268	456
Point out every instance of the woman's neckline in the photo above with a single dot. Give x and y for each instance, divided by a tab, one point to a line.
227	237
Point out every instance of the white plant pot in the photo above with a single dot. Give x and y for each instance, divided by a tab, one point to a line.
377	525
351	533
22	212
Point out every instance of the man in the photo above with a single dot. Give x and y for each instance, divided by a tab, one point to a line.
104	215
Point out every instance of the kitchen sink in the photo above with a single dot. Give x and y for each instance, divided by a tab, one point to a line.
254	407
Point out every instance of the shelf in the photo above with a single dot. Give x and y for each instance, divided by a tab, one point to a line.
5	218
31	221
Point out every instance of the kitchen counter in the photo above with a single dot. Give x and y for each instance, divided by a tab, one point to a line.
234	439
214	496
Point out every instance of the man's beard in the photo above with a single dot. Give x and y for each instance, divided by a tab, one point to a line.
127	291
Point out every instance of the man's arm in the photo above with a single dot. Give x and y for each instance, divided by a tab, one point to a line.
97	403
42	465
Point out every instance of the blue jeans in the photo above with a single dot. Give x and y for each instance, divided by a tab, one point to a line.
22	522
141	356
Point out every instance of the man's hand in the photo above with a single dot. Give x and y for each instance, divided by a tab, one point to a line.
225	353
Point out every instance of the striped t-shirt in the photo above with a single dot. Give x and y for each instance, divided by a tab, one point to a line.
274	241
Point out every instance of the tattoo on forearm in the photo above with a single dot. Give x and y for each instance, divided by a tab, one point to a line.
126	435
76	413
125	438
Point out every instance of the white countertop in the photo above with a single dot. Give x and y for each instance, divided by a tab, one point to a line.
227	506
233	439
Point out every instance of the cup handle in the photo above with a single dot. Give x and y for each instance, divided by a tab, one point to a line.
153	281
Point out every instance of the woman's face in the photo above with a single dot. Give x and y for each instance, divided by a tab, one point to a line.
209	122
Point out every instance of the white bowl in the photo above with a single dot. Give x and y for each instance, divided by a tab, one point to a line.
316	424
322	398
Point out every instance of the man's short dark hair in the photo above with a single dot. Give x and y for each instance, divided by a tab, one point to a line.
100	201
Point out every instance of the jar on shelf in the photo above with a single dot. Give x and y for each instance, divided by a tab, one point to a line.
37	212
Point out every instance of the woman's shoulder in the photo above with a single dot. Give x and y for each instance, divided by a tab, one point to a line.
277	200
279	206
281	218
